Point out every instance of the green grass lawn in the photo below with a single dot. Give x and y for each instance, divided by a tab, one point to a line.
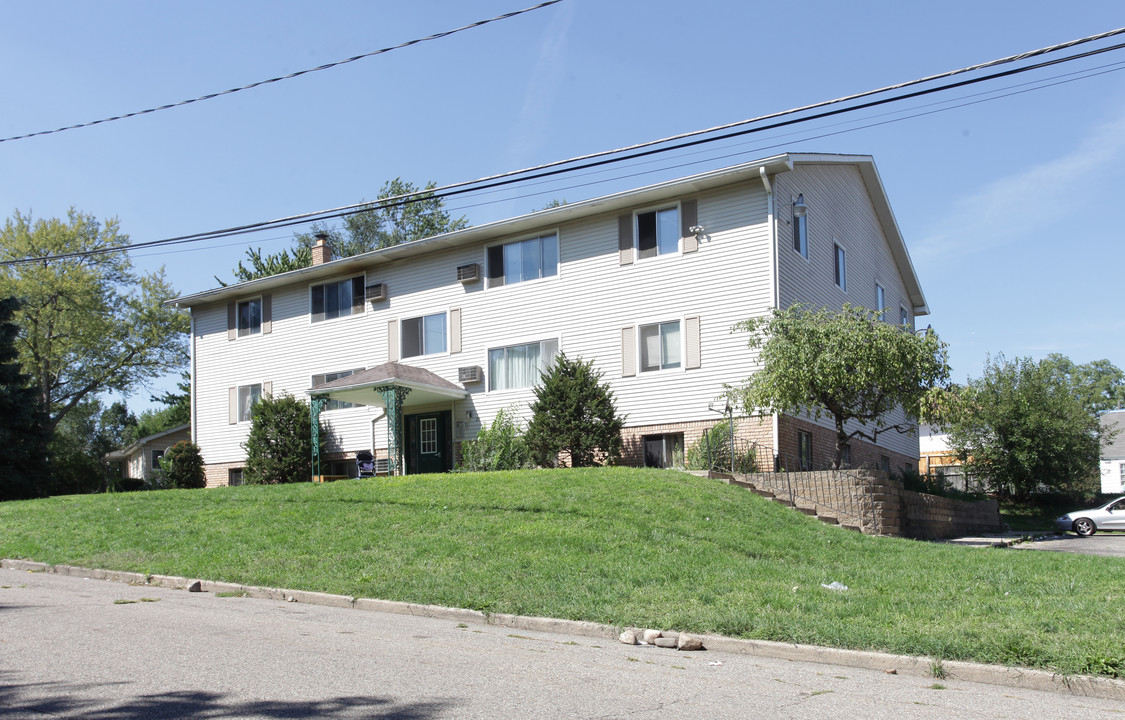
619	546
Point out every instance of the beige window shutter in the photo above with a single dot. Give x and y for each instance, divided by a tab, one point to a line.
267	314
233	406
455	330
691	342
628	351
232	321
625	239
267	389
689	217
392	340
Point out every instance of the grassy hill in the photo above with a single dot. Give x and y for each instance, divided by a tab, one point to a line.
619	546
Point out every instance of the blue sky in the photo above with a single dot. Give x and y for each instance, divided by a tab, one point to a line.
1011	205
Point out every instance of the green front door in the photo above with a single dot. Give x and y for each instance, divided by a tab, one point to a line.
429	446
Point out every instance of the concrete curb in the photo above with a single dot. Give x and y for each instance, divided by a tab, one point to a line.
1015	677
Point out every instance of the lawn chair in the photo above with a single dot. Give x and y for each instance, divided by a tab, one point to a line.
365	464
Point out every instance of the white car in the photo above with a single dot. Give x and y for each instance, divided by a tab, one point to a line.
1110	516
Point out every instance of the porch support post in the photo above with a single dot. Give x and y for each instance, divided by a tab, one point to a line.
316	404
393	398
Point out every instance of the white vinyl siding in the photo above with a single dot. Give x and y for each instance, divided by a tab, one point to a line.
844	215
594	307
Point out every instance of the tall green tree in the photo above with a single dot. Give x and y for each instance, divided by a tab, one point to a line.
382	223
574	415
386	221
176	411
89	323
23	432
849	364
1025	425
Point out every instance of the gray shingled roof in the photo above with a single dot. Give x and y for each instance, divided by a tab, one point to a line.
1115	420
389	373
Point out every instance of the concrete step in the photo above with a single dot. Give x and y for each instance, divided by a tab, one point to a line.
828	519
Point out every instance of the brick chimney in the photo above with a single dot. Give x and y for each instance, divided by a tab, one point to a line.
321	252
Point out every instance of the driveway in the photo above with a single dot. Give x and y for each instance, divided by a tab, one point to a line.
72	647
1108	544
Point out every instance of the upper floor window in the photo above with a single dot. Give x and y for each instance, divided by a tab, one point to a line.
249	317
248	397
658	232
337	299
841	268
880	299
660	346
529	259
423	335
519	366
329	377
801	227
903	317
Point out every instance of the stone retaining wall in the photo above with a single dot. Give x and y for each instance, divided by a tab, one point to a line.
884	506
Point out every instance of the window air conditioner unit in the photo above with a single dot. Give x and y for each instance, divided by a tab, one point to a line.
376	292
468	273
469	374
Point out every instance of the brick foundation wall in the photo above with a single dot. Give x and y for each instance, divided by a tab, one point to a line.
757	430
864	453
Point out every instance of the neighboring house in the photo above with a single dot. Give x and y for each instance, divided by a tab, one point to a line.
938	459
142	458
1113	455
411	349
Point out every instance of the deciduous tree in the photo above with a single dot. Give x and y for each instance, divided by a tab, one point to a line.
1025	425
849	364
89	323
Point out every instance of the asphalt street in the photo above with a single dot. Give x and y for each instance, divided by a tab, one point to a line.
73	647
1106	544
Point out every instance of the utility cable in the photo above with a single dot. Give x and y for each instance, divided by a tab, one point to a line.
299	73
600	159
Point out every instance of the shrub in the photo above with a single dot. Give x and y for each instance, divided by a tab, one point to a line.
183	466
279	446
501	446
575	415
713	451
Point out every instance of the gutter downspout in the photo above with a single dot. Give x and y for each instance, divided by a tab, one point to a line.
776	299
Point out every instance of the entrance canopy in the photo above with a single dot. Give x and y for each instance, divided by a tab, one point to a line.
369	387
391	386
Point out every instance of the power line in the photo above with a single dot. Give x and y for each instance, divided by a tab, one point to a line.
299	73
689	139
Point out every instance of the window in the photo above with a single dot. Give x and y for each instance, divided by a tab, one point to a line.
904	317
249	317
664	450
801	235
841	268
804	450
885	463
428	436
156	455
530	259
248	396
658	232
880	299
519	366
329	377
660	346
234	477
337	299
846	456
423	335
